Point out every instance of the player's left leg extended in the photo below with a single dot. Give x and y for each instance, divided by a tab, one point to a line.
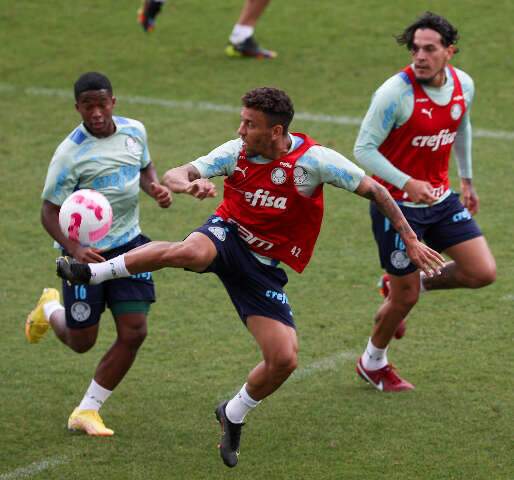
472	266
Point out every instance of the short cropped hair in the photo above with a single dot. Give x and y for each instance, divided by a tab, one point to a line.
274	103
449	34
92	81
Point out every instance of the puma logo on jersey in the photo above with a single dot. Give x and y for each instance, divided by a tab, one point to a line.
262	198
242	170
444	137
427	112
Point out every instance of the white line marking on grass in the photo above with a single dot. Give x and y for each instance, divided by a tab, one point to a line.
327	363
324	364
215	107
34	468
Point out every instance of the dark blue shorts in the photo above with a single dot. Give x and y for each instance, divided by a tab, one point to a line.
441	226
253	287
84	304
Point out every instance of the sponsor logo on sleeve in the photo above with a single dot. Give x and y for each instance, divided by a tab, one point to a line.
300	175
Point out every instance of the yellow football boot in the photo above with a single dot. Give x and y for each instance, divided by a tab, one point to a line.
88	421
36	324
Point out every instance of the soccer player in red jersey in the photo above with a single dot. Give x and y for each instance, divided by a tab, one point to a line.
270	213
414	120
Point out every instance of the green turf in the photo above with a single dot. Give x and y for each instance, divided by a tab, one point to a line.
324	423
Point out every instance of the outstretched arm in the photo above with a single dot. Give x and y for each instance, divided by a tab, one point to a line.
422	256
187	179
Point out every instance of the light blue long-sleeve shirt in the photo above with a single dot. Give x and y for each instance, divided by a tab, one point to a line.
391	106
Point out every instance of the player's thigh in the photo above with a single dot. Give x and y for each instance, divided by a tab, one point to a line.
277	341
391	249
450	224
256	289
129	300
83	305
198	251
473	257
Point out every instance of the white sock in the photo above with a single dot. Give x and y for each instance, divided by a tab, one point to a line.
422	288
374	358
51	307
240	405
94	398
240	33
114	268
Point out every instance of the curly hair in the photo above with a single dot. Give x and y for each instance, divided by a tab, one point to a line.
449	34
274	103
91	81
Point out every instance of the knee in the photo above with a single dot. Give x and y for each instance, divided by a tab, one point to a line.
134	337
406	297
284	363
81	346
484	277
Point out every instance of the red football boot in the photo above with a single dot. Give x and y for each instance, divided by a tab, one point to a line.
384	379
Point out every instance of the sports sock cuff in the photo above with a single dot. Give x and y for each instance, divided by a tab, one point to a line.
240	33
113	268
247	400
374	358
95	396
51	307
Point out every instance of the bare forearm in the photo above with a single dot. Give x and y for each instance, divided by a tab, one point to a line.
178	179
147	177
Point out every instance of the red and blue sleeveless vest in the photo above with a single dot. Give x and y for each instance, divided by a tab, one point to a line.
421	146
273	217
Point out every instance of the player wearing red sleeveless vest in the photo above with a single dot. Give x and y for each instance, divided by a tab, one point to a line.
274	217
411	156
421	146
274	191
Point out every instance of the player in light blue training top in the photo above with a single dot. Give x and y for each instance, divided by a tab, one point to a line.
108	154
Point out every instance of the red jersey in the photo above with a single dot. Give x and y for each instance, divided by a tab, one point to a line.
273	217
421	146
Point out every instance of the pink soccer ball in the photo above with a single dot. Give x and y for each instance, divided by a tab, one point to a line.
85	217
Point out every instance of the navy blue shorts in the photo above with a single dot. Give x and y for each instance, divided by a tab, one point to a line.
253	287
84	304
441	226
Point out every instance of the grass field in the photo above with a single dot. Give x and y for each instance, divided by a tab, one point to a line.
324	423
